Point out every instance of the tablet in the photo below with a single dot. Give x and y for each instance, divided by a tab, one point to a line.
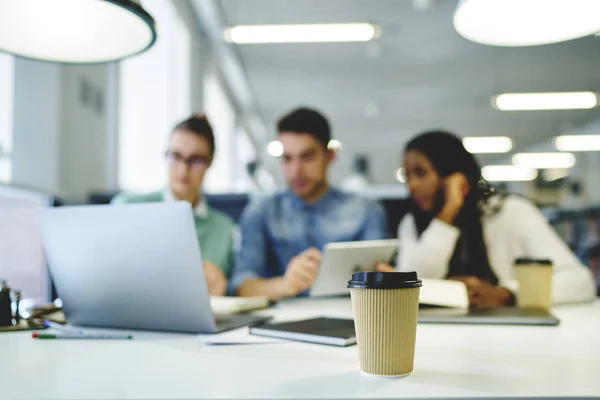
342	259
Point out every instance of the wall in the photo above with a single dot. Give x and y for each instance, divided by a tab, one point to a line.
221	176
85	134
62	141
7	64
37	125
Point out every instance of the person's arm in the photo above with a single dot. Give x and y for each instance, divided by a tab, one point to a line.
429	254
273	288
228	259
299	276
571	281
375	224
250	263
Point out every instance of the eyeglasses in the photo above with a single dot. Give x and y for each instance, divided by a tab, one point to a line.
195	162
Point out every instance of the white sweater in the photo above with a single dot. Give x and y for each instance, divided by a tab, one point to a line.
519	229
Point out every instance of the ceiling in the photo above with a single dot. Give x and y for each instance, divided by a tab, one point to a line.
419	74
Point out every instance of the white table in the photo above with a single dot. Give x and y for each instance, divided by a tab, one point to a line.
451	361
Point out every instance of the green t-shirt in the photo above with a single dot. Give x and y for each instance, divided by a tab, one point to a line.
213	228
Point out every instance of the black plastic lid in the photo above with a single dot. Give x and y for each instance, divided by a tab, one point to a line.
528	261
384	280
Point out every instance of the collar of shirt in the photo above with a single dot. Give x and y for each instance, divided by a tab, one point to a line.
320	205
201	208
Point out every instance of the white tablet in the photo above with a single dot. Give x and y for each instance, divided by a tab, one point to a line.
342	259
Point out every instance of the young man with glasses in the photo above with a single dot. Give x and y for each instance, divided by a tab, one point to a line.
189	155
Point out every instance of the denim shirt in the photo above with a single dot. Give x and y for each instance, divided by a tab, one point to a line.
277	228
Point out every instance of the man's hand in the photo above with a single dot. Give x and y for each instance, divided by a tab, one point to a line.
215	279
483	294
301	272
384	267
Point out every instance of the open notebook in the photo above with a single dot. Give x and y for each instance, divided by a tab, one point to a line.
237	305
445	293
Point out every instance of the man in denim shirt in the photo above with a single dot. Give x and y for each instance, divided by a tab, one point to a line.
283	235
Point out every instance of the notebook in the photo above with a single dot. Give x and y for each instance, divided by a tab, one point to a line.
328	331
237	305
444	293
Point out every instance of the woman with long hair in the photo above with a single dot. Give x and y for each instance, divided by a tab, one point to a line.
458	228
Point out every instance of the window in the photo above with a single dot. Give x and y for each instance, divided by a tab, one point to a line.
154	94
220	113
6	115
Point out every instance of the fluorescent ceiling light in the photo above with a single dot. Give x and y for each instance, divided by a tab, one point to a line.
577	143
545	101
75	31
334	144
554	174
400	175
490	144
310	33
526	23
544	160
275	148
508	173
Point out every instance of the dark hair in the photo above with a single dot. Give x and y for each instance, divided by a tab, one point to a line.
447	154
199	125
306	120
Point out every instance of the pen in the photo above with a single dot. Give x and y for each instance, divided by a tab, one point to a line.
234	343
62	328
78	336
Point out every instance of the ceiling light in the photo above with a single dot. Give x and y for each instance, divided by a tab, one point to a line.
75	31
400	175
544	160
577	143
526	23
334	144
491	144
275	148
554	174
310	33
508	173
545	101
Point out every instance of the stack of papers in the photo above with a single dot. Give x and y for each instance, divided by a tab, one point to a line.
236	305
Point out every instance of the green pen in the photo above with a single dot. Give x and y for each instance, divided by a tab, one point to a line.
76	336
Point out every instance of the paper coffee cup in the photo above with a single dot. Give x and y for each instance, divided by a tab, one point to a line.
535	283
385	307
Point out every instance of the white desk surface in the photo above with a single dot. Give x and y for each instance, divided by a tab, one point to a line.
451	361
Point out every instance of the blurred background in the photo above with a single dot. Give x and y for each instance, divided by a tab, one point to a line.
72	130
77	134
80	133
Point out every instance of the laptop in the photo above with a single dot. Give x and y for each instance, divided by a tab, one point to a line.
342	259
134	266
494	316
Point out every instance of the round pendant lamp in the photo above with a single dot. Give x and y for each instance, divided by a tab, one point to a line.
526	22
75	31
